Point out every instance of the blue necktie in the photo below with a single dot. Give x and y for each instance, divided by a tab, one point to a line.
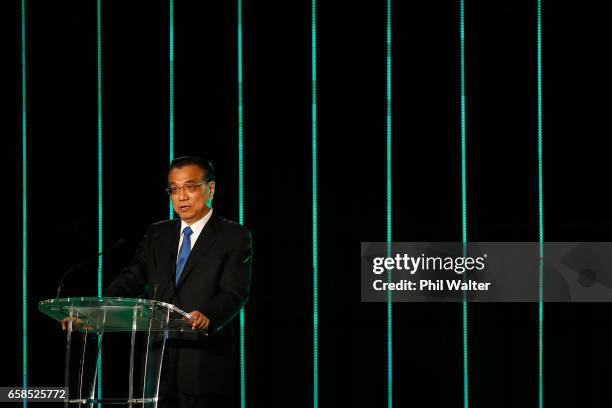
183	252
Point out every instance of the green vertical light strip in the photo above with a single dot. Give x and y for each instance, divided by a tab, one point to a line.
315	282
99	44
100	209
540	217
24	203
241	196
240	120
389	239
171	91
463	200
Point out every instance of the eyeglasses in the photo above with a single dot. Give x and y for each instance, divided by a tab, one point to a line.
191	187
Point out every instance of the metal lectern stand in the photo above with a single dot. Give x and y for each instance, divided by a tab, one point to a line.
99	315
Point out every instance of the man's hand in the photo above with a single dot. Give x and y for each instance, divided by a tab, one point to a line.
198	321
75	323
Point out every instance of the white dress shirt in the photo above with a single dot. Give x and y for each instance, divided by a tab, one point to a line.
196	227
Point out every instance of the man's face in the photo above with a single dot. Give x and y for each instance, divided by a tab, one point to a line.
191	206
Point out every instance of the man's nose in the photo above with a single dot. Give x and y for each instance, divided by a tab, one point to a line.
182	194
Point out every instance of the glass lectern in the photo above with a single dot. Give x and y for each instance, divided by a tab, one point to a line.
148	320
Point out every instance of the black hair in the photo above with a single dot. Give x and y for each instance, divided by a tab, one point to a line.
205	165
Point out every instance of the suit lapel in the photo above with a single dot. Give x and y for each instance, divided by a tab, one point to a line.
172	244
205	240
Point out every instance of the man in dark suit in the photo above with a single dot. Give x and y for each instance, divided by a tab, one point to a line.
202	264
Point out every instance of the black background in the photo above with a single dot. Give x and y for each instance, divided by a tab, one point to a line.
502	196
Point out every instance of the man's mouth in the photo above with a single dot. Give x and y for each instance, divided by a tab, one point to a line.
184	207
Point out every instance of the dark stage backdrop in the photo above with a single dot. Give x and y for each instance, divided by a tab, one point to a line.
502	189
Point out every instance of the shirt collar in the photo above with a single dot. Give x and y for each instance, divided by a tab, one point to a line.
197	226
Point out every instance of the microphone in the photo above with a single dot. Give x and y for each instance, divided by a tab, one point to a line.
85	262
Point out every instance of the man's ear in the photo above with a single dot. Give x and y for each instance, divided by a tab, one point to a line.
211	188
